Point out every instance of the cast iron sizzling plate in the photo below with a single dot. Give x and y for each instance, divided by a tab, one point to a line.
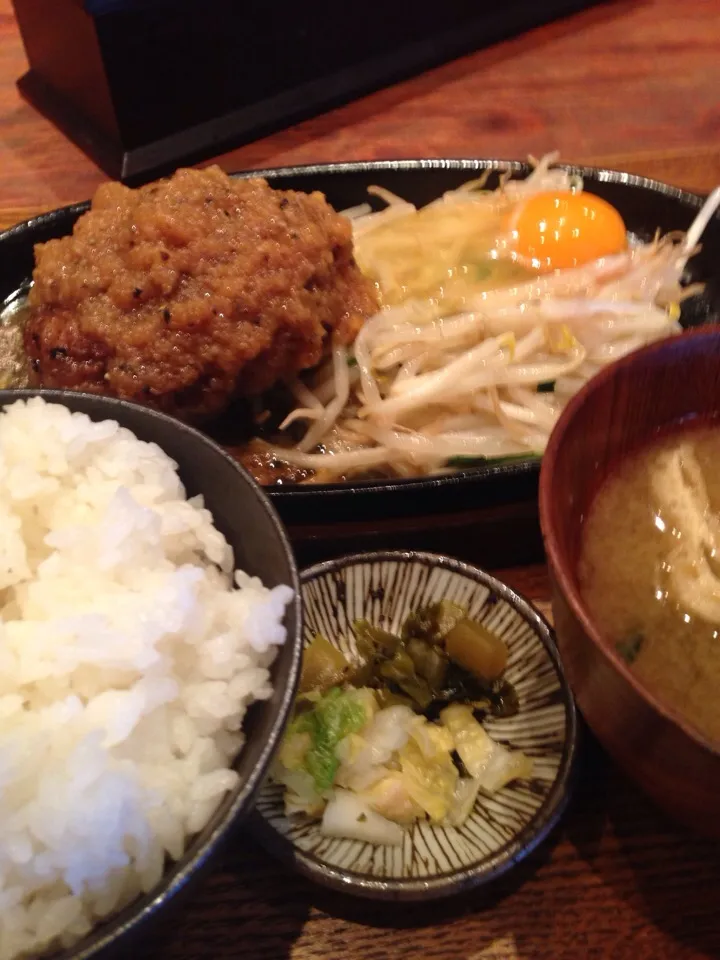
646	206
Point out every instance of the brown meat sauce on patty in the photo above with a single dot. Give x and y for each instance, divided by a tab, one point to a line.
187	292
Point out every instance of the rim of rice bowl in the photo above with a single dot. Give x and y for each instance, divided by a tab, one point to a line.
130	650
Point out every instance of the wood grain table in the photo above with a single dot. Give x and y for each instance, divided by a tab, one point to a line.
633	84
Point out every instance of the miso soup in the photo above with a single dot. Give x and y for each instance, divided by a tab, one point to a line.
650	569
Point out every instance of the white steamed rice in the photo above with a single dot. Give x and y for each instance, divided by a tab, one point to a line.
127	662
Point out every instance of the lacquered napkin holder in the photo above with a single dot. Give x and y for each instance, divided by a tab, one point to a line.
145	85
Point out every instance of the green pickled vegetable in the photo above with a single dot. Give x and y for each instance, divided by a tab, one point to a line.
441	658
374	641
476	649
362	674
433	622
334	717
400	667
323	666
429	662
401	671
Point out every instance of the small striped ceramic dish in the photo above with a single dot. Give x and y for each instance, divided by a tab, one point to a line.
439	861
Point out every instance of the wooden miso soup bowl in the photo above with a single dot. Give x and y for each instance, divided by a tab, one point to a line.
617	411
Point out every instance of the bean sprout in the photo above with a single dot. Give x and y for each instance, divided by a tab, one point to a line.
457	366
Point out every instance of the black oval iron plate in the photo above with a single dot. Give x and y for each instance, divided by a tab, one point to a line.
646	206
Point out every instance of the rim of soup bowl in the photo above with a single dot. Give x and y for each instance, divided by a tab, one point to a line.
567	577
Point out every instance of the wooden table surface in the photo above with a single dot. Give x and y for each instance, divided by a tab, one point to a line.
633	84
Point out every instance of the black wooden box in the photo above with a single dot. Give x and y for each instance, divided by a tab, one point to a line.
143	85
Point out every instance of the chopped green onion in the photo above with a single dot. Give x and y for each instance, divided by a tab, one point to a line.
630	648
479	461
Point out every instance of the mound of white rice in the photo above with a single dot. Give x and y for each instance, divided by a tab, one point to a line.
127	662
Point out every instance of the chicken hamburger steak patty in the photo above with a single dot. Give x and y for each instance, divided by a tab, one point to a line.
189	291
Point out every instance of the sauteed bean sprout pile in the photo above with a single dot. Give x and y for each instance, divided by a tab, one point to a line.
497	306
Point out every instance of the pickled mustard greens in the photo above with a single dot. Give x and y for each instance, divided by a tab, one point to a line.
440	656
394	734
323	666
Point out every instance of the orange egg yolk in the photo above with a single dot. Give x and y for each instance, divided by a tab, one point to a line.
555	231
